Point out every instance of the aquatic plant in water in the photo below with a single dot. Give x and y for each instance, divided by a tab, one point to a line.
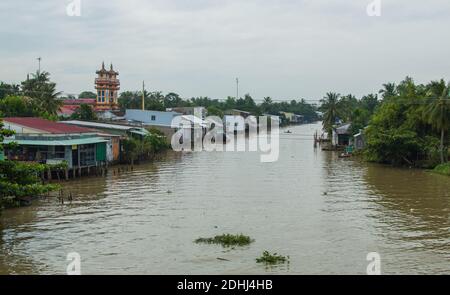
272	259
227	240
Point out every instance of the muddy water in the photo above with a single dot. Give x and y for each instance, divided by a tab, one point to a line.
324	212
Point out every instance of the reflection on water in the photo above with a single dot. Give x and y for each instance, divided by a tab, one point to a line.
324	212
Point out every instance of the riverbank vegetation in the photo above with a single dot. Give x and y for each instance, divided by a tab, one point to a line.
227	240
145	148
443	169
20	180
407	124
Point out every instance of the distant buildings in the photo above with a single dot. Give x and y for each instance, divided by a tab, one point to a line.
293	118
200	112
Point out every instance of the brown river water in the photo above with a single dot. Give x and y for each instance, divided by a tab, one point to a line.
325	213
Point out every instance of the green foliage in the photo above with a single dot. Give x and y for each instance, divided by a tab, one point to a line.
133	100
332	110
36	97
85	112
136	148
43	92
227	240
87	94
8	89
20	179
157	142
18	106
272	259
156	101
215	111
409	126
443	169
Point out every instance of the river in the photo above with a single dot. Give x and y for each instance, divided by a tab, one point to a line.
325	213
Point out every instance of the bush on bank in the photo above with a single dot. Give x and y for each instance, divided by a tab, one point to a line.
443	169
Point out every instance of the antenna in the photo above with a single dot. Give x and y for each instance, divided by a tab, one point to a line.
39	61
143	95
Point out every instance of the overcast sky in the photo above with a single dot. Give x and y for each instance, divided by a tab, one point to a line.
284	49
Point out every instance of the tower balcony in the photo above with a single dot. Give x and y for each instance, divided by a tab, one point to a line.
107	81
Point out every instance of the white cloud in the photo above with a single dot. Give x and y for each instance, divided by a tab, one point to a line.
284	48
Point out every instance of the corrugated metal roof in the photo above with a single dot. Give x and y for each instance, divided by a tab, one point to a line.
61	142
98	125
47	125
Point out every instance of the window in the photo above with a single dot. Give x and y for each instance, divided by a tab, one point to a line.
153	118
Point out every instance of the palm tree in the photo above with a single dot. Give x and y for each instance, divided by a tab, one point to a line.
266	104
43	92
437	112
389	90
330	107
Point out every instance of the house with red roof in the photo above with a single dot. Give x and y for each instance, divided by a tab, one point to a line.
41	126
48	142
71	105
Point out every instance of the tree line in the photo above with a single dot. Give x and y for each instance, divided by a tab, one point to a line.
217	107
404	124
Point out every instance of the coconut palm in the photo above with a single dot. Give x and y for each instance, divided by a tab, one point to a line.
437	111
389	90
330	107
43	92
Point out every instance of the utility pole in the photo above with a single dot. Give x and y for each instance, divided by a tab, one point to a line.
39	61
143	95
237	88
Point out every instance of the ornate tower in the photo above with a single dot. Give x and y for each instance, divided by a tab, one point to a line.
107	85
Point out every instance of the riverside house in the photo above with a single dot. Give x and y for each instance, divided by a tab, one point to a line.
48	142
161	121
341	135
115	132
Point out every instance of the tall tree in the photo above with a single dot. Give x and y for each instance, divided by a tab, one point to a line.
330	107
40	88
8	89
85	112
437	112
388	90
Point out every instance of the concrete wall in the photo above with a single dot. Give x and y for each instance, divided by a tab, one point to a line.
154	118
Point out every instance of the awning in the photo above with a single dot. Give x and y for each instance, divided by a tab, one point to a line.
61	142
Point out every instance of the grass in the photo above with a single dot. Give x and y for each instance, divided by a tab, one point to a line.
227	240
272	259
443	169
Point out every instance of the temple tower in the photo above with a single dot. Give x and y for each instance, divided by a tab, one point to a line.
107	85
